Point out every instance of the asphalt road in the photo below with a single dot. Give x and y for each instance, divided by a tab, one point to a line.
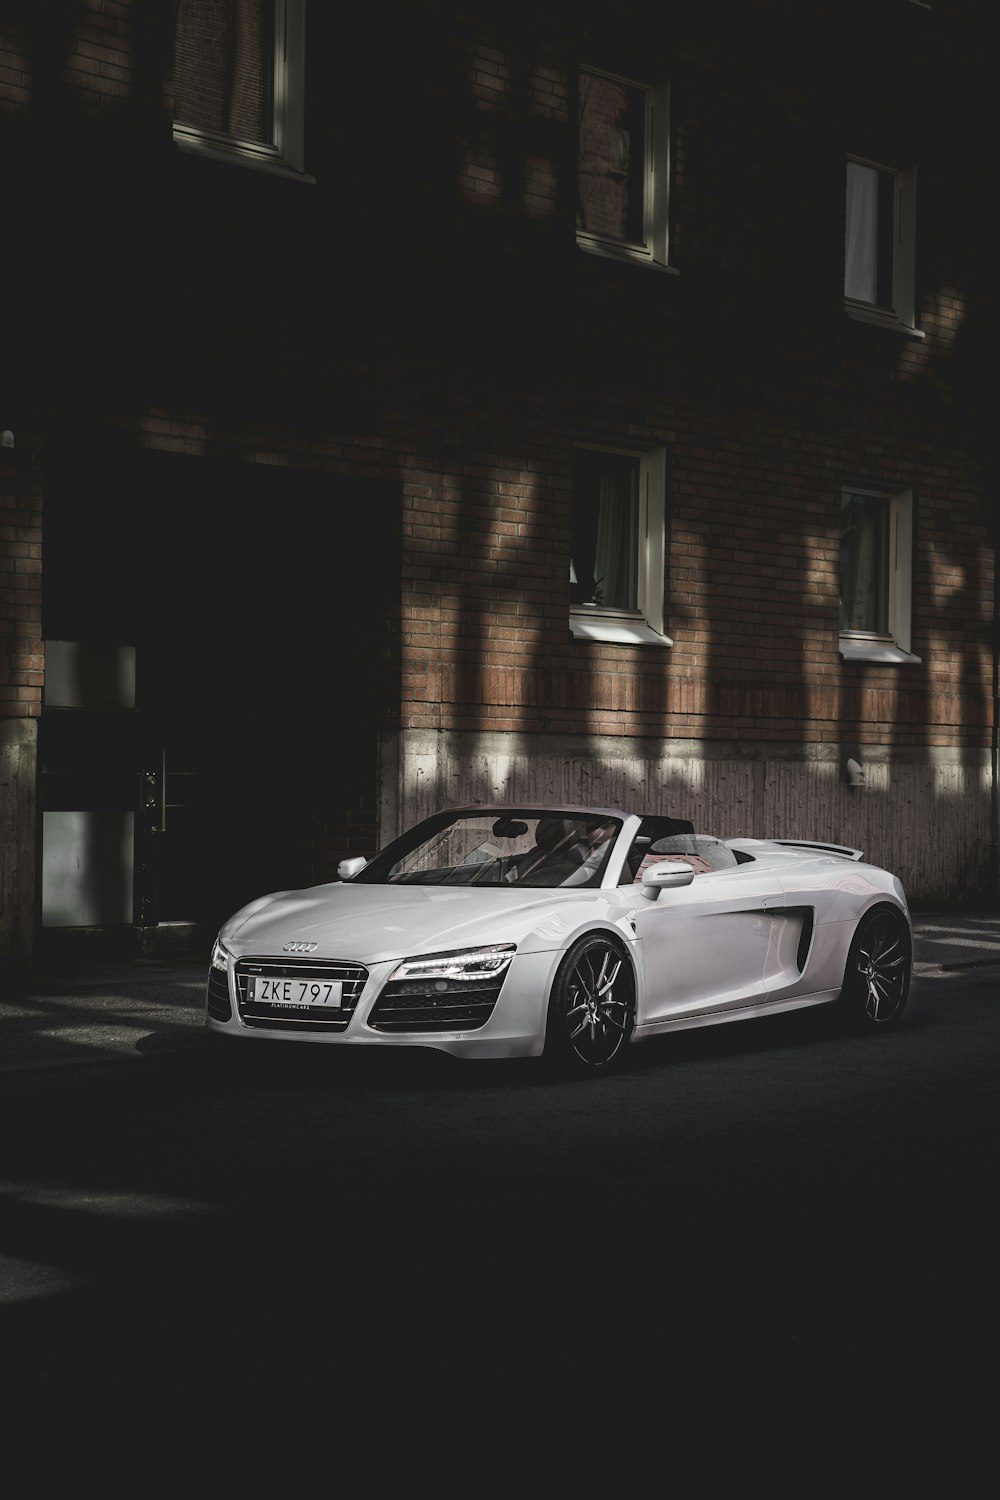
771	1219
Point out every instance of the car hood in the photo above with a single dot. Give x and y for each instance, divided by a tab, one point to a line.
377	923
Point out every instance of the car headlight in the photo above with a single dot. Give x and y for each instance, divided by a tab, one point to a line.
465	963
220	958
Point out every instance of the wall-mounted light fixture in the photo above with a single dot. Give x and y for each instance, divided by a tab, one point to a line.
856	775
7	438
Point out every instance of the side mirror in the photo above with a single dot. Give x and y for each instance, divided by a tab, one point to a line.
349	867
666	876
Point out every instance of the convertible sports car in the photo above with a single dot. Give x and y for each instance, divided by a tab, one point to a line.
563	933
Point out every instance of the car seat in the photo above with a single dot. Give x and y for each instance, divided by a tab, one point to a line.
559	850
716	854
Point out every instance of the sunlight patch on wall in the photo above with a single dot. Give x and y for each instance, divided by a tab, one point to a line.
957	783
175	432
16	93
489	78
538	186
942	314
479	173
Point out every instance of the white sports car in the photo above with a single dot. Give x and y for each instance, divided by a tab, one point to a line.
562	933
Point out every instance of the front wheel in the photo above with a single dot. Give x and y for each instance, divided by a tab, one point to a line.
877	977
592	1008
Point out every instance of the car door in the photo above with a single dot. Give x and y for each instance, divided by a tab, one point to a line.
705	945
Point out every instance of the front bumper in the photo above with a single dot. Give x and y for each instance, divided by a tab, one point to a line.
375	1012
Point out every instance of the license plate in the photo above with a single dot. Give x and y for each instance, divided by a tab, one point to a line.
302	994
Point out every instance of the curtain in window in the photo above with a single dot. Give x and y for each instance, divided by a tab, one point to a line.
864	564
861	250
604	565
617	539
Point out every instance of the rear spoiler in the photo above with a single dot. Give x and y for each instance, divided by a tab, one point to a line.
839	849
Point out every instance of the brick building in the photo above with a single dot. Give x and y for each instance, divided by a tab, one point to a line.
582	402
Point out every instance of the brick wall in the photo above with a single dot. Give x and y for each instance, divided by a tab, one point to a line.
420	314
21	650
753	567
767	400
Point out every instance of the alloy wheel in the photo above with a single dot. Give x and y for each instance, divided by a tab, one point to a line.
881	969
594	1004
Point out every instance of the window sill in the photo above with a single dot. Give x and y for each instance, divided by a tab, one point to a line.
877	319
587	627
625	256
235	157
885	652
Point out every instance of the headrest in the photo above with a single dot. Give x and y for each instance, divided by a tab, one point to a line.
551	831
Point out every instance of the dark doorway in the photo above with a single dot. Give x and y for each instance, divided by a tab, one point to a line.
222	660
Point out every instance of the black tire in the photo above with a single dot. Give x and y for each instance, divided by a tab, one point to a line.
877	976
592	1007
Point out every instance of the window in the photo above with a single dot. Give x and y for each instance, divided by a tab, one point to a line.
238	81
623	168
618	545
879	243
876	550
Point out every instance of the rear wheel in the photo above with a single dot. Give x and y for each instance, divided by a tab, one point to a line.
877	977
592	1009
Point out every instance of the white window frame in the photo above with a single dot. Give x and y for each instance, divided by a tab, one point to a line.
642	626
655	246
286	153
902	313
894	646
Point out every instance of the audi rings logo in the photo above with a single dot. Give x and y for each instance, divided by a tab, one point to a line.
300	948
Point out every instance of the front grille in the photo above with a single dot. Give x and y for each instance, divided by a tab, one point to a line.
306	976
435	1005
219	1007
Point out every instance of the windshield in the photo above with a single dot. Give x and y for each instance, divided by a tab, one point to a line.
515	848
